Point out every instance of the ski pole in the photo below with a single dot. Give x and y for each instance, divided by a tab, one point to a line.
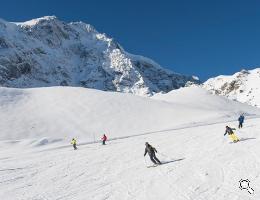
145	162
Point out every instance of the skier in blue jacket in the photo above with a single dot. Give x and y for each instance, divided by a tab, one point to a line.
241	121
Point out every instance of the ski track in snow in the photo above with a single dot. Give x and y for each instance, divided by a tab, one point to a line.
203	165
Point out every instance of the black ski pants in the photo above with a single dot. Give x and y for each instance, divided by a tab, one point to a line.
154	159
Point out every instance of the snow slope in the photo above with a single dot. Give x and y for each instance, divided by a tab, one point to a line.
196	96
242	86
202	165
49	52
186	126
65	112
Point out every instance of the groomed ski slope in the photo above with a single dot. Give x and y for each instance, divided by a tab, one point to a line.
202	163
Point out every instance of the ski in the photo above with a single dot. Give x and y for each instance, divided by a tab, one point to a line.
152	166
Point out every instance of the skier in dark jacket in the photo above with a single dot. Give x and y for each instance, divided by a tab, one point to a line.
231	134
241	121
151	152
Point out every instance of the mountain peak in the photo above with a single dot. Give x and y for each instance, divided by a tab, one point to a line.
49	52
37	21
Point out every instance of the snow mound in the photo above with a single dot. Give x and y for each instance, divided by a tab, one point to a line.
200	98
66	112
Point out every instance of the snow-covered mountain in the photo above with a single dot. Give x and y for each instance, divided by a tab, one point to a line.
243	86
49	52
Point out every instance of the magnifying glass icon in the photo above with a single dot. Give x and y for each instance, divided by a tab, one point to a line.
244	185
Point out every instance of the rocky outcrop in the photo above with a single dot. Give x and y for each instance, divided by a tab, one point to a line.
243	86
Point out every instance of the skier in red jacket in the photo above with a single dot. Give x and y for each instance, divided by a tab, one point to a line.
104	139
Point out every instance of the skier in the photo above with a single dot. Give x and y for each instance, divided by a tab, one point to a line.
241	121
74	143
231	134
104	139
151	152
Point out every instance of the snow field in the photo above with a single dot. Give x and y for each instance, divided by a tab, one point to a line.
202	165
37	162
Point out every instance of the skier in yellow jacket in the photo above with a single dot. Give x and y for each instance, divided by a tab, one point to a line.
231	134
74	143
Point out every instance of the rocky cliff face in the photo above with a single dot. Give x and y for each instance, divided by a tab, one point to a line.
243	86
48	52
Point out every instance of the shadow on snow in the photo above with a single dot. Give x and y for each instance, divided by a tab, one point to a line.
171	161
244	139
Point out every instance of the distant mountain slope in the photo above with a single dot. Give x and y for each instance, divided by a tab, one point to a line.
243	86
48	52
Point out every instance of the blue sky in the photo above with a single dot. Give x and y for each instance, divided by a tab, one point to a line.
196	37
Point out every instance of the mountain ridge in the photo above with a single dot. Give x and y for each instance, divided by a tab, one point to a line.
49	52
242	86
